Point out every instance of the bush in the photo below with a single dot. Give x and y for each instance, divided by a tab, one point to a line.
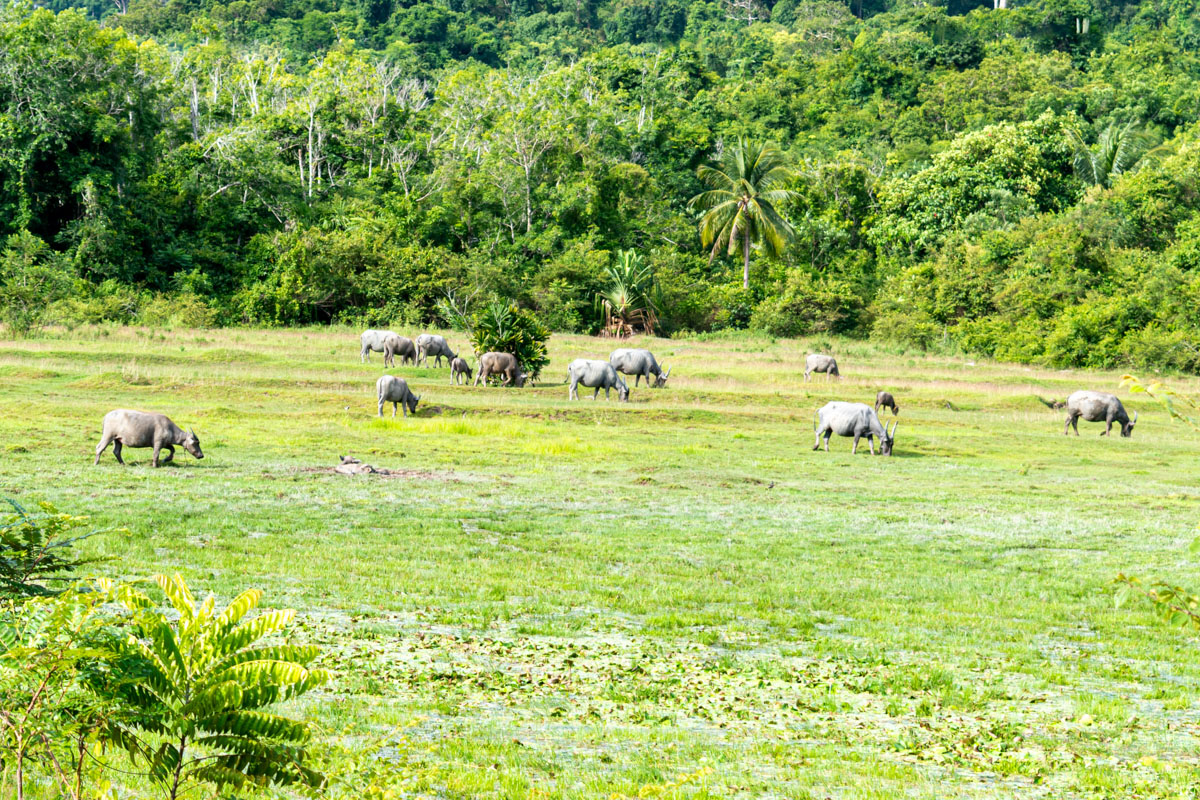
32	277
181	310
915	329
807	306
504	328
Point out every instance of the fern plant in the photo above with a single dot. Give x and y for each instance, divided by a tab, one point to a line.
200	685
34	549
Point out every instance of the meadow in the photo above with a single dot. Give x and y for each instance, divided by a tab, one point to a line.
673	597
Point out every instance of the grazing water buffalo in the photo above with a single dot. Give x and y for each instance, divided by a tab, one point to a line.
429	344
391	389
885	400
1098	407
504	364
640	363
595	375
458	368
123	428
853	419
372	340
819	363
402	345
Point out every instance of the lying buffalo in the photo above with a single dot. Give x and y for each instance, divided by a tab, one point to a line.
124	428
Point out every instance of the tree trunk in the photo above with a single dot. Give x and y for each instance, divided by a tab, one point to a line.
745	261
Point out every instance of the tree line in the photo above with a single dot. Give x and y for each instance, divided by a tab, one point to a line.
1006	181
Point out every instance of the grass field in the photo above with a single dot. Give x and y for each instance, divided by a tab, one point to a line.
670	597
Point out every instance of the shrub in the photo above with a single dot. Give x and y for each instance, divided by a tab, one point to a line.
35	550
199	682
504	328
807	306
31	279
182	310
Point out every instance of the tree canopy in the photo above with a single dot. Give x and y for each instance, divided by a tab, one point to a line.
955	173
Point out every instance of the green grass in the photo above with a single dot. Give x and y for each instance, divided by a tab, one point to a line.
584	599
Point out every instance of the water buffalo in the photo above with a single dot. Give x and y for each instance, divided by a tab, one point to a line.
429	344
372	340
124	428
853	419
885	400
402	345
391	389
504	364
1098	407
639	363
819	363
596	375
458	368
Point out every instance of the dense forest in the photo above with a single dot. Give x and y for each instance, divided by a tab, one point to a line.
1018	181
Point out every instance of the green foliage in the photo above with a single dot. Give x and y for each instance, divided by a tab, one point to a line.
49	647
352	162
741	206
200	682
31	279
1117	151
631	300
35	549
809	306
503	328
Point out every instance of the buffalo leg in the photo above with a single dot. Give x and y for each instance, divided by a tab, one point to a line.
816	440
871	443
854	450
117	451
154	458
105	441
170	453
827	435
381	402
1108	428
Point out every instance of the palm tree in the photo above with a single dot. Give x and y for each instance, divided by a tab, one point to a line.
1118	149
629	303
740	206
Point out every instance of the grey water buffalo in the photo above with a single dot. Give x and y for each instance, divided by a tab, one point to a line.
402	345
1098	407
819	363
390	389
429	344
372	340
853	419
885	400
124	428
639	363
458	368
505	364
595	374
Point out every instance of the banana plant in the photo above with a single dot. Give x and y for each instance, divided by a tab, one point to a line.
200	683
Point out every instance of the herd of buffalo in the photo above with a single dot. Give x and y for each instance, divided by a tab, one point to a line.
124	428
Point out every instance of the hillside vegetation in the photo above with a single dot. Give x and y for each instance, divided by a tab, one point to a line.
1017	182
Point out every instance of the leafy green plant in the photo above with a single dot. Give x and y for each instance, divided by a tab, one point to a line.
630	303
200	683
503	328
1118	149
48	716
31	279
34	549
